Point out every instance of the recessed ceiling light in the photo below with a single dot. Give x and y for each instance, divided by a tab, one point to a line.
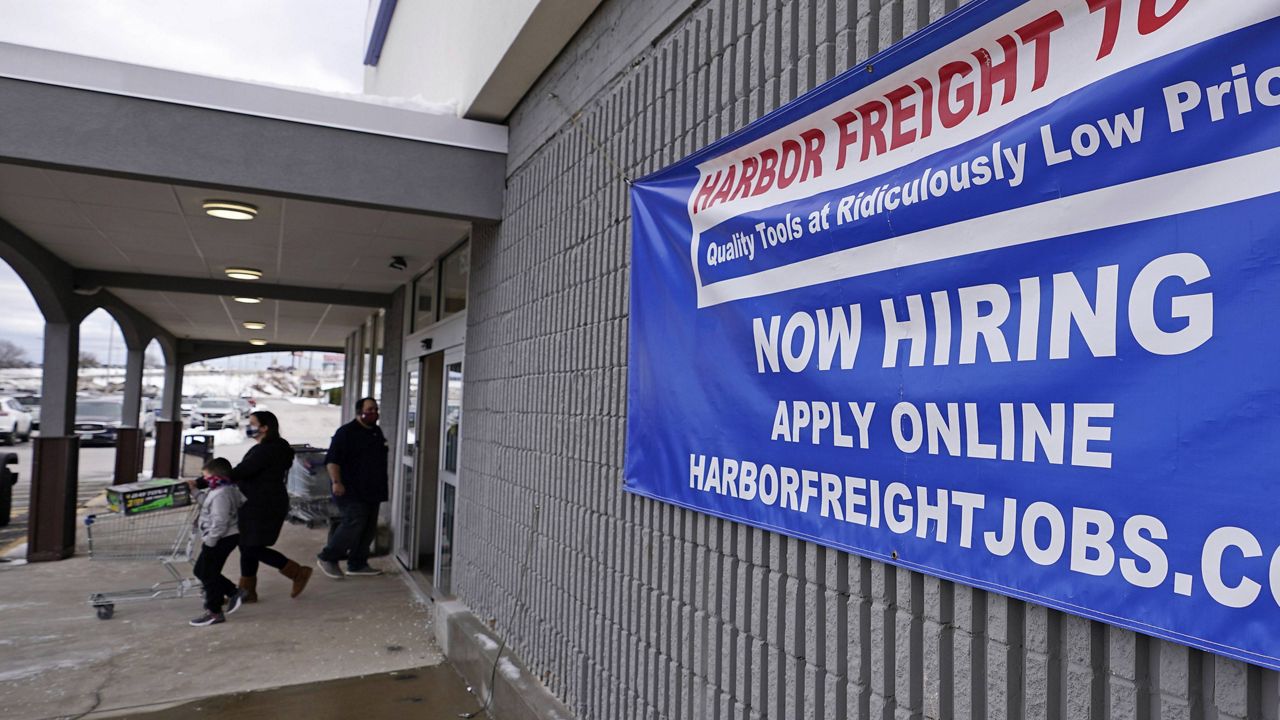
236	273
257	341
230	209
247	300
254	325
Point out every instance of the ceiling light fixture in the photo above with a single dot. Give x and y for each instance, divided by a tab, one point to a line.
239	273
247	300
257	341
254	325
230	210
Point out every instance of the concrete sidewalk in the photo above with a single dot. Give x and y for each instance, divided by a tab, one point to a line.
57	659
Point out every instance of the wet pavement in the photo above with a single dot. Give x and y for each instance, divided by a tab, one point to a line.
57	659
429	693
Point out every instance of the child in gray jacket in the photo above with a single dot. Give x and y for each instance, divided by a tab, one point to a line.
219	535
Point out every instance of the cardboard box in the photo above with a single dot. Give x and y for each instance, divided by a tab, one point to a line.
155	494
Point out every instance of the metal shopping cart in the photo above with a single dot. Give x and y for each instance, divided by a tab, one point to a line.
310	499
164	535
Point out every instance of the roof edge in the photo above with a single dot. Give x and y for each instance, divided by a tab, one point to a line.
53	67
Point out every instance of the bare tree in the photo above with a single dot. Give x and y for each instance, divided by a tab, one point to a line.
12	356
89	360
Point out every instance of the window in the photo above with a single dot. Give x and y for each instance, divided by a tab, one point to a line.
454	270
442	291
425	290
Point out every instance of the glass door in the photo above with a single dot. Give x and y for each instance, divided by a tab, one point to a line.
407	537
450	441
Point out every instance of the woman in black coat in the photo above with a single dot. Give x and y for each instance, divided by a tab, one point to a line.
261	476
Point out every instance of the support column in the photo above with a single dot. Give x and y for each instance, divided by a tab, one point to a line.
172	394
51	532
362	342
393	327
51	527
133	386
167	458
58	386
129	455
375	331
351	382
167	462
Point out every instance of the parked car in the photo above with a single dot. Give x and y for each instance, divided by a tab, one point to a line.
147	416
15	421
32	404
215	414
244	406
188	404
98	420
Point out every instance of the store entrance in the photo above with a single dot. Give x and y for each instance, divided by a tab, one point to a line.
429	461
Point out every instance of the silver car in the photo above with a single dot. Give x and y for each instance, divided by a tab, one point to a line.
215	414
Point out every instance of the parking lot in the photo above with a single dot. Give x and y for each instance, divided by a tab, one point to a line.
300	423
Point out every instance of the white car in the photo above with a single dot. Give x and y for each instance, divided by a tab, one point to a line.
215	414
15	421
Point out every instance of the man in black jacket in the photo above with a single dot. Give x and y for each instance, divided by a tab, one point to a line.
357	463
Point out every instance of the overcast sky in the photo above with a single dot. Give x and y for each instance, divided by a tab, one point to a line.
315	44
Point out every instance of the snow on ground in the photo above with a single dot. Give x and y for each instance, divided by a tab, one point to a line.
307	401
223	437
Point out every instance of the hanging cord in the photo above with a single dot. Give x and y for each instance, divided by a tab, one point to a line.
573	120
524	571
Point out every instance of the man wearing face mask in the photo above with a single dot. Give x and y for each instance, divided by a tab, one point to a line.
357	463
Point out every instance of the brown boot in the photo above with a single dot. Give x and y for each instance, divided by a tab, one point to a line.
249	589
299	574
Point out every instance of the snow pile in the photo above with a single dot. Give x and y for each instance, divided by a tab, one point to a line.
221	438
274	384
416	103
307	401
508	670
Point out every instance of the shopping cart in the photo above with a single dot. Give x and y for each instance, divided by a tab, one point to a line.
164	535
310	501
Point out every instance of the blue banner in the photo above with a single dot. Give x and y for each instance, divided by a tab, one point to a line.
999	305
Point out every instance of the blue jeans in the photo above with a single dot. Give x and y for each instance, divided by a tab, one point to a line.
351	534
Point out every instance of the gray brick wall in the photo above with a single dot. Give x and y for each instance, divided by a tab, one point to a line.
636	609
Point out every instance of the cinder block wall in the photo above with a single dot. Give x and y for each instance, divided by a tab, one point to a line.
635	609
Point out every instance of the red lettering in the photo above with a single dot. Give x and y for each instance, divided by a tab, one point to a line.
704	194
1110	24
1149	21
1005	72
949	72
900	114
744	183
926	107
1037	32
790	166
726	187
873	116
814	141
768	171
848	136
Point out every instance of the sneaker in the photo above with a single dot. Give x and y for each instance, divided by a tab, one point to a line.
209	618
363	570
330	568
234	602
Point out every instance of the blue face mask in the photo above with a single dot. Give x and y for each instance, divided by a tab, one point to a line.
252	431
